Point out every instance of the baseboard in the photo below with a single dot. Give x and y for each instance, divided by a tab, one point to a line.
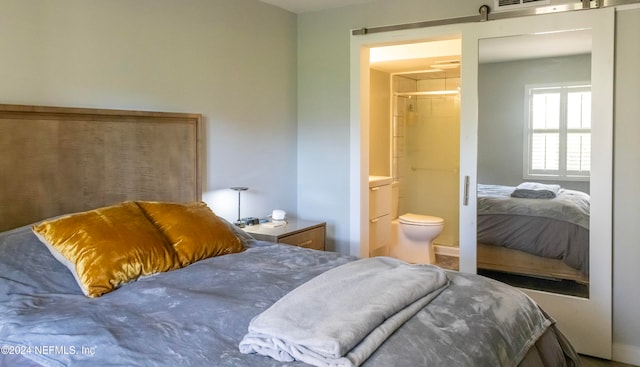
626	354
446	250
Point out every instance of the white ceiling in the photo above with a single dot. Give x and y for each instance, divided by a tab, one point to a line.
532	46
303	6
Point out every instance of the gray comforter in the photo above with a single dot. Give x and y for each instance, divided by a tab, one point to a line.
568	205
197	316
362	313
553	228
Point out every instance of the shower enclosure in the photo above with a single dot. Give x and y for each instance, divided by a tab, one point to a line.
426	148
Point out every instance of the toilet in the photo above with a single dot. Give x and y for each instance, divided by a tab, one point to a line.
413	234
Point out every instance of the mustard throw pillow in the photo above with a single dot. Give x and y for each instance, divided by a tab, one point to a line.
193	229
107	247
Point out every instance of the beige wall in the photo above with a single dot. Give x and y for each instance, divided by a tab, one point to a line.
380	129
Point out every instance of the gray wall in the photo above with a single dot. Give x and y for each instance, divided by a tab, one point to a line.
323	134
502	111
232	61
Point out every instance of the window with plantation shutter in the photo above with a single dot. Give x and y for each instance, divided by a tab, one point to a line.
558	132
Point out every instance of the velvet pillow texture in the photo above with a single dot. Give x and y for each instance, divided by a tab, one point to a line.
108	247
193	230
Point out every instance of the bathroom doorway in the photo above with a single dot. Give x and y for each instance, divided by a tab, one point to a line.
415	139
594	337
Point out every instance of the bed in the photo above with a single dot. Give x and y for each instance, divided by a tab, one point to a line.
215	309
543	236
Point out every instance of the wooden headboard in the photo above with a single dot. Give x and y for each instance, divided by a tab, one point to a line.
56	160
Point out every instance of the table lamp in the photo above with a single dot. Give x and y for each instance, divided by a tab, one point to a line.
239	189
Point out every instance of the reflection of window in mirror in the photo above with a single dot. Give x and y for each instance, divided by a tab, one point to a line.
558	131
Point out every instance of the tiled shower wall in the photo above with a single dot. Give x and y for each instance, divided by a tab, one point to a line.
426	152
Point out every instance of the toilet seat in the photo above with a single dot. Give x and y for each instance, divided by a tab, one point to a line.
420	220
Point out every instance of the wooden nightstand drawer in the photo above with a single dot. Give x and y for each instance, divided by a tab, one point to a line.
312	238
303	233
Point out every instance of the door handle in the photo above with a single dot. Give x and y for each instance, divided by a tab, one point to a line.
466	191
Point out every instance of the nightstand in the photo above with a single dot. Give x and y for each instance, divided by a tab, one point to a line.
296	232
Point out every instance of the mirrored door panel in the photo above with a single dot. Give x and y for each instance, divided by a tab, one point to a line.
533	197
544	162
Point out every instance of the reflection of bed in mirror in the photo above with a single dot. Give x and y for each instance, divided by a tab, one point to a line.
541	237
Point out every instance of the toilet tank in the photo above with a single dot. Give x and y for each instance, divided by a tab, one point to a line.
395	198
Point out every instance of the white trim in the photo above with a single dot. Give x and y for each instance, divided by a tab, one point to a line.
446	250
359	152
359	122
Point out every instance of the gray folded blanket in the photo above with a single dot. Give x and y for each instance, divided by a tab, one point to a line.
342	316
535	190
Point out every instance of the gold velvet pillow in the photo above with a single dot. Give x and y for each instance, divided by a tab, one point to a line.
107	247
193	229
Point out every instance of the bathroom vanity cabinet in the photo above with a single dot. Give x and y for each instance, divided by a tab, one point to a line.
379	215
